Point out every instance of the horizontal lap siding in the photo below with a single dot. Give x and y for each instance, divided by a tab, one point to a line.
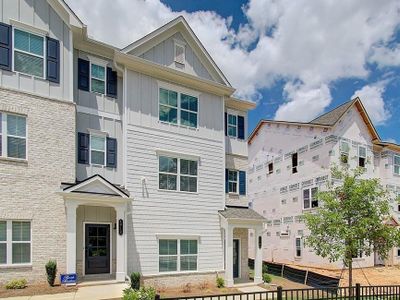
163	212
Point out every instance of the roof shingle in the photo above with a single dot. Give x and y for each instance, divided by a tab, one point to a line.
331	117
234	212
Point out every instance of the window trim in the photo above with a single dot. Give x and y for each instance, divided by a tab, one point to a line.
181	44
309	189
99	63
237	182
42	35
394	164
102	135
230	125
358	155
4	136
9	244
178	255
300	247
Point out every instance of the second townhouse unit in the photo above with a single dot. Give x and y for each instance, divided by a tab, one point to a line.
128	159
291	161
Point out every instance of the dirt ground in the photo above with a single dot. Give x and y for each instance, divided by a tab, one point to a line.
35	289
196	291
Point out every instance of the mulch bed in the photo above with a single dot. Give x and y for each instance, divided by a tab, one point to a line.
195	291
36	289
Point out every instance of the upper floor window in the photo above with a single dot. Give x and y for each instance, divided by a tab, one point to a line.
344	152
362	156
310	199
179	55
97	149
294	163
233	181
232	125
97	78
178	108
298	246
396	164
270	168
15	242
12	136
28	53
170	168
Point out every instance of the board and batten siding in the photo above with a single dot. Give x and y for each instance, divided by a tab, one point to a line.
164	53
39	14
153	212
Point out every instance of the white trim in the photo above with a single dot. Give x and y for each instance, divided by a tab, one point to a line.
29	28
178	154
178	88
310	197
394	165
295	246
98	61
98	135
236	125
84	245
96	112
5	135
96	78
183	47
237	182
240	259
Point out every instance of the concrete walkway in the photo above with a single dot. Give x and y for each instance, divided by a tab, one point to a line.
98	292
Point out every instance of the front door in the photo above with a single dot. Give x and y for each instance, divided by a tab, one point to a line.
236	258
97	248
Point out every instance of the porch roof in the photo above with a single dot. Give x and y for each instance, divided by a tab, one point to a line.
241	213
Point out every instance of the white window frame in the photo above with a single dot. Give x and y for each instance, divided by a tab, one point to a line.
178	255
90	148
182	45
99	64
309	189
396	165
344	153
298	248
28	53
233	126
231	181
178	173
9	244
4	136
359	156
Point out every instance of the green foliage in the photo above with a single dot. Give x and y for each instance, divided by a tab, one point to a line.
264	269
16	284
51	271
141	294
220	282
353	218
135	280
267	278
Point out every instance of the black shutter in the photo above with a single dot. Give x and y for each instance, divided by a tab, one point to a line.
53	60
83	74
226	181
242	183
83	148
240	127
5	46
226	124
112	83
111	152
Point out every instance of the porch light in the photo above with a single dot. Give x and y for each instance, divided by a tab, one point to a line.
120	227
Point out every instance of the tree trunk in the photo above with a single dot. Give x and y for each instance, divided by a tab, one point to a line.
350	272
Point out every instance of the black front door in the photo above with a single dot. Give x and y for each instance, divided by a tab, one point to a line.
236	258
97	248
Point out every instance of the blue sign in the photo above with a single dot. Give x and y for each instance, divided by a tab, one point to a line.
69	279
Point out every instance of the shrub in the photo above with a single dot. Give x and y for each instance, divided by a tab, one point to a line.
51	271
16	284
267	278
141	294
220	282
264	269
187	288
135	280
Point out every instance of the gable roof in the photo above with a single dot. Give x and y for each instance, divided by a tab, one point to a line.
178	24
66	13
241	213
332	117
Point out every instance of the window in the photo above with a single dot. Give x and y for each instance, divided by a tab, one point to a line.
168	174
15	236
188	110
97	78
179	53
344	152
28	53
398	252
177	255
12	136
232	181
310	199
362	155
298	246
294	163
396	164
270	168
168	106
232	125
97	149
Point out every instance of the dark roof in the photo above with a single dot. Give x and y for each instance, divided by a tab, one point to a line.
237	212
331	117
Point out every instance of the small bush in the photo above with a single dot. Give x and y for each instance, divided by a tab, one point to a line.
220	282
135	280
141	294
264	269
51	271
16	284
267	278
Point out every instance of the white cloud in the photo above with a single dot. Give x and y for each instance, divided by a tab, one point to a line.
372	98
312	42
386	57
390	140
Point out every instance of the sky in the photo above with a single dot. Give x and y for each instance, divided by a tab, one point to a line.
295	59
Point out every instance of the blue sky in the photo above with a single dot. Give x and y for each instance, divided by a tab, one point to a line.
296	59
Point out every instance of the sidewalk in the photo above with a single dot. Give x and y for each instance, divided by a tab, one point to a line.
98	292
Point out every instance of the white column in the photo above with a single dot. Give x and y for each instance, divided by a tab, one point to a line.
120	251
257	256
71	236
229	255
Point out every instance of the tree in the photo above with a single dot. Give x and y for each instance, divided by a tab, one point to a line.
354	217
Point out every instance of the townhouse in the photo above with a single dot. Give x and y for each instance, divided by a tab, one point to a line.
289	162
119	160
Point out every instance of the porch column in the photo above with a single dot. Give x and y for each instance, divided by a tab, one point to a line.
257	256
120	251
229	256
71	235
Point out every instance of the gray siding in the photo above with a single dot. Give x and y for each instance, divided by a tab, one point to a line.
163	54
39	14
